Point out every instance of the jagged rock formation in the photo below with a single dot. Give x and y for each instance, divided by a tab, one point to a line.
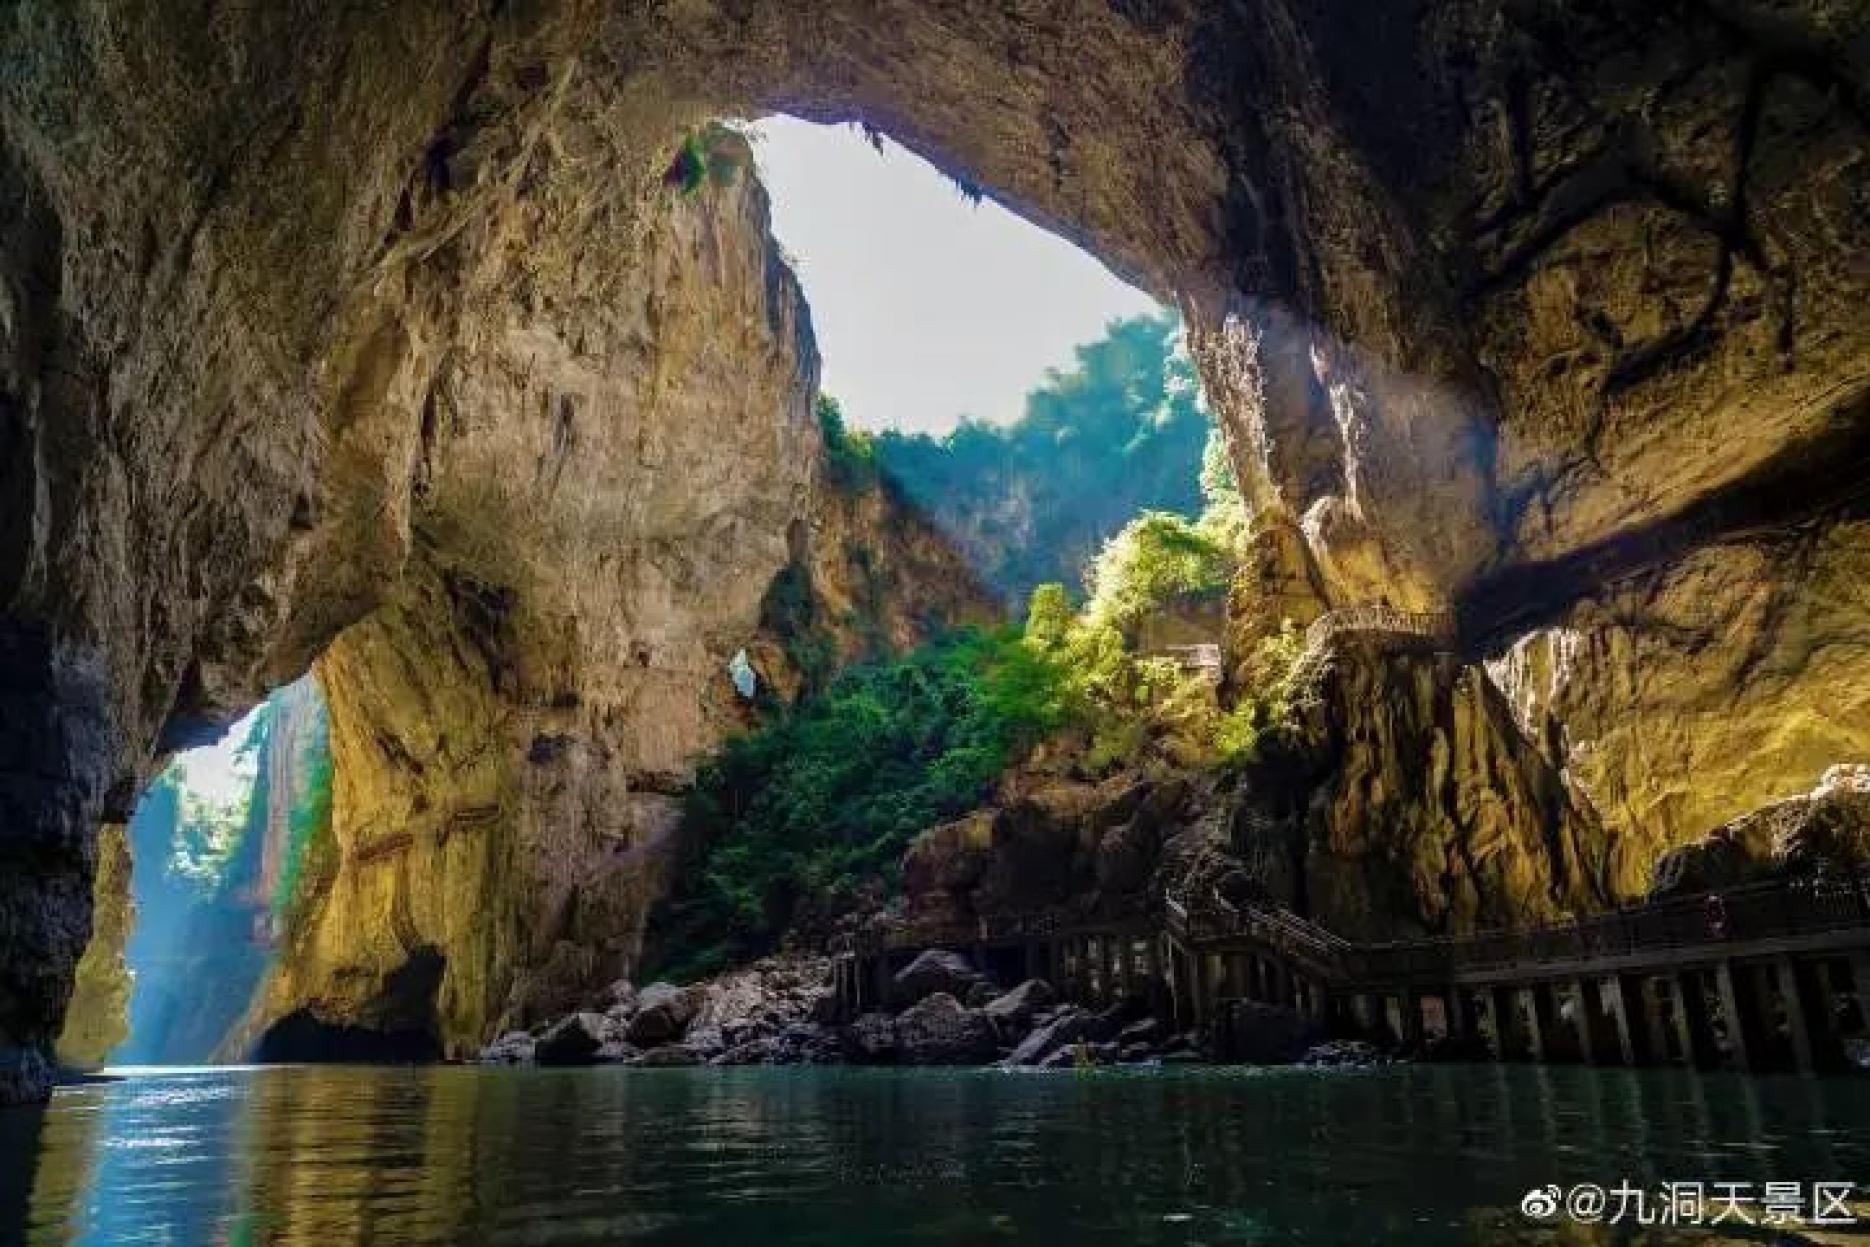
603	501
1410	802
1825	831
1500	304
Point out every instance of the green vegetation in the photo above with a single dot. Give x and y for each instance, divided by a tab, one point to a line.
800	819
1031	502
1157	558
850	454
809	814
794	821
714	154
308	821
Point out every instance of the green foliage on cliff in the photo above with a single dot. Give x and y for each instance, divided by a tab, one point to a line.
799	817
1031	502
850	454
308	823
1156	559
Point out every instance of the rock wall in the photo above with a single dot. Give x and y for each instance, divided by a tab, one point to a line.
869	575
1500	304
99	1016
1429	810
603	500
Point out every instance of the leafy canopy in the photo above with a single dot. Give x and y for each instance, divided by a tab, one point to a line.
793	821
1030	502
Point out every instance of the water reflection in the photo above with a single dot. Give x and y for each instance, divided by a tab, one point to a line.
447	1155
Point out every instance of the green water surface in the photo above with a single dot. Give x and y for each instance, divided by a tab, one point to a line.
755	1157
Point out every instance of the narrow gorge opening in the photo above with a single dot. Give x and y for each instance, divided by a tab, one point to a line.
218	847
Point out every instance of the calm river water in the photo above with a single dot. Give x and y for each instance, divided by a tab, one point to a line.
759	1157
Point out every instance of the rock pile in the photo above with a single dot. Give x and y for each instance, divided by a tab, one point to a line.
779	1011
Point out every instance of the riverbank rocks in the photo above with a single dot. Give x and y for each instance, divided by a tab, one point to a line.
670	1054
573	1040
663	1012
1068	1026
871	1039
1345	1052
512	1048
936	970
1012	1011
940	1030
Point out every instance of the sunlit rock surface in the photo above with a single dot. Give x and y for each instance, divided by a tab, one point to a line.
615	506
99	1016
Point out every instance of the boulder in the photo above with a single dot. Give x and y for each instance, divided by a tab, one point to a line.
668	1054
980	993
663	1012
940	1030
1013	1011
512	1048
572	1040
936	970
871	1039
1149	1031
1068	1027
615	1052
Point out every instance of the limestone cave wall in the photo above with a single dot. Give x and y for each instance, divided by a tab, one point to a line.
1527	308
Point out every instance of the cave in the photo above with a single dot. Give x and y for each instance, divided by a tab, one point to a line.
320	325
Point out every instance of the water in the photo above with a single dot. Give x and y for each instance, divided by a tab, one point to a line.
748	1157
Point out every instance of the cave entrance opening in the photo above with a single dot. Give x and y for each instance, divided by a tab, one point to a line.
1025	397
218	844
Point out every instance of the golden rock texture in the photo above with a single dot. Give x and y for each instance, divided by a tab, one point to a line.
98	1018
594	524
1515	307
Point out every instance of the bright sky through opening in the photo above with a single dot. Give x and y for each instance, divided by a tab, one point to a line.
927	307
215	772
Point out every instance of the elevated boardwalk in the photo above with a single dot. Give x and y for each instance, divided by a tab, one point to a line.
1772	975
1397	631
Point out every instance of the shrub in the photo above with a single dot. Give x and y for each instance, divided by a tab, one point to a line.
1156	558
798	818
850	454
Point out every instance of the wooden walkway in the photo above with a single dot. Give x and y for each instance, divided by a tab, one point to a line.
1772	975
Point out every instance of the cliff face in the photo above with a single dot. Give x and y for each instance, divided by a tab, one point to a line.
869	575
600	507
1524	308
99	1017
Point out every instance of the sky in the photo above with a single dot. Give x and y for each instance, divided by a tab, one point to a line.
213	770
927	307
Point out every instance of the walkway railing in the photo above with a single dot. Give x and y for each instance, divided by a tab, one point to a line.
1437	627
1752	915
1732	922
1424	631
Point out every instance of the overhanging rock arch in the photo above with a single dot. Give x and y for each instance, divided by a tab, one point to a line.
1417	246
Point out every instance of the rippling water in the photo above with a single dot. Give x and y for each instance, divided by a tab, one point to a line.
841	1156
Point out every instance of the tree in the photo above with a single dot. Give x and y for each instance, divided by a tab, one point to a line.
1031	502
